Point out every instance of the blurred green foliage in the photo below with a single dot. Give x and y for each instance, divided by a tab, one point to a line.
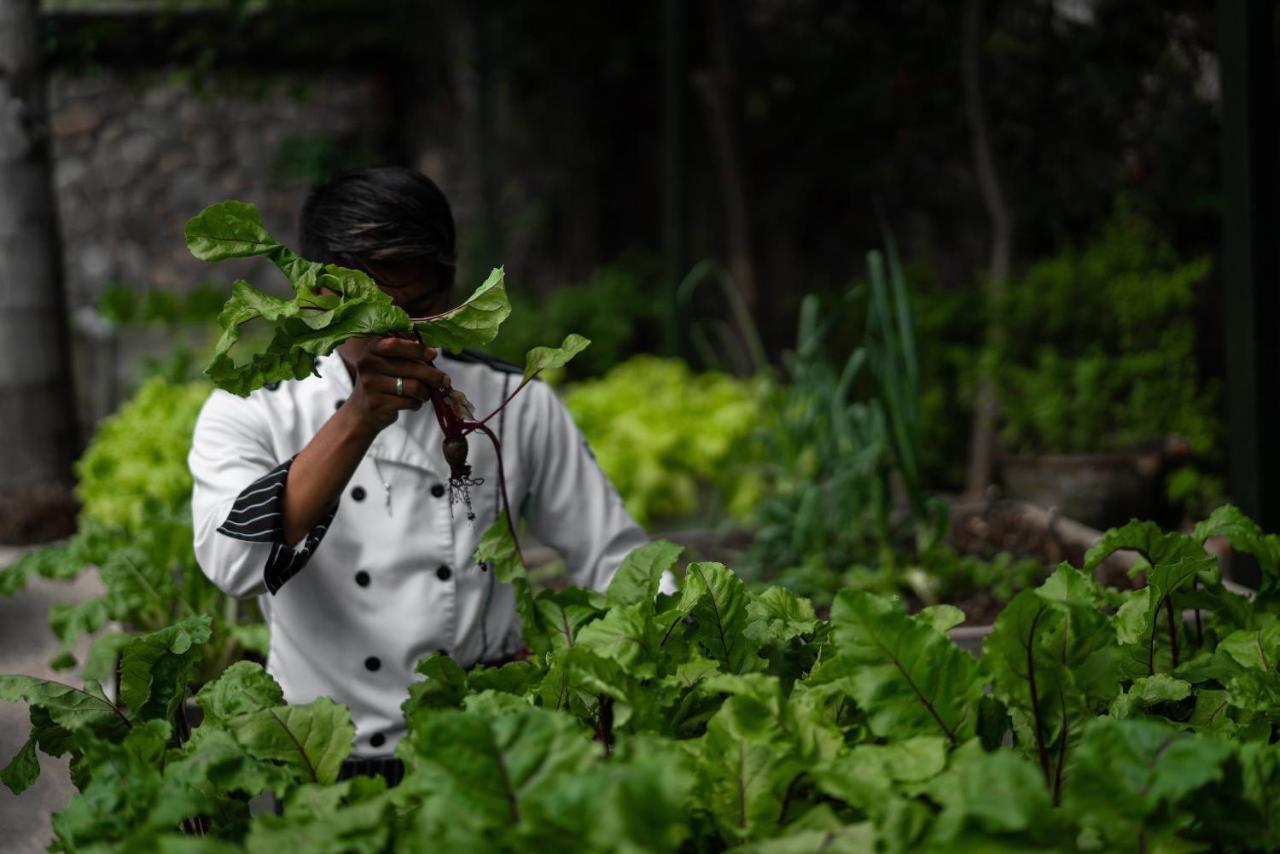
1099	350
618	308
135	529
312	159
136	465
123	305
675	443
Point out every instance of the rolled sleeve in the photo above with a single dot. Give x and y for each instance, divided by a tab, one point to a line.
571	505
236	502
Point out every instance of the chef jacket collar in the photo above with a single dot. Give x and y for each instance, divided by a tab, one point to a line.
409	441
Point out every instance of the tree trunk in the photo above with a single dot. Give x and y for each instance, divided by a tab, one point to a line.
987	406
36	410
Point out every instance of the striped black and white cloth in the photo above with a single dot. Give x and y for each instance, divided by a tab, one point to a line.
257	517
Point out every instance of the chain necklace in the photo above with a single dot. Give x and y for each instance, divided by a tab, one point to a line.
386	484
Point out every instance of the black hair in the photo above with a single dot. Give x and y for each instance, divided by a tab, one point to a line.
383	213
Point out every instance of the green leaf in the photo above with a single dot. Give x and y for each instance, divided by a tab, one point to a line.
313	323
638	577
908	677
213	766
748	759
116	799
1133	777
70	708
243	688
1255	648
626	635
70	620
444	687
778	615
850	839
870	776
546	358
1147	692
360	828
716	600
480	772
229	229
313	739
1155	546
156	668
987	798
23	768
1054	662
475	322
1244	535
637	802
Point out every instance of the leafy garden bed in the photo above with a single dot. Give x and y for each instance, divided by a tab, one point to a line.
1106	713
1096	719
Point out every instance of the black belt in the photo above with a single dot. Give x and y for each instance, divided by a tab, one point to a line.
388	768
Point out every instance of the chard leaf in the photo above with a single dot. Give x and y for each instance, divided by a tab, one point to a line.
363	827
908	677
778	615
715	598
638	802
558	615
871	776
989	797
849	839
475	322
545	358
1152	544
1257	648
1136	780
115	801
313	323
1147	692
444	687
482	774
943	618
23	768
1054	662
70	620
243	688
748	761
626	635
640	574
312	740
1244	535
231	229
71	709
156	668
213	766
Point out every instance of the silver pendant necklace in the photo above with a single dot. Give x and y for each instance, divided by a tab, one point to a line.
386	484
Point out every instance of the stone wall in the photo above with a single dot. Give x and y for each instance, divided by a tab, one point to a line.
136	156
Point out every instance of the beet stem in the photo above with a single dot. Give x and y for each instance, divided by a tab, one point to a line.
502	489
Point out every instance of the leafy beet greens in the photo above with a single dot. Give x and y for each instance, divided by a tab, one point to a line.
721	717
333	303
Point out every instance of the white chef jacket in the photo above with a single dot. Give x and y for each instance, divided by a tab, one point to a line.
389	576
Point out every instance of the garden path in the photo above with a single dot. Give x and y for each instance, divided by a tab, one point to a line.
26	646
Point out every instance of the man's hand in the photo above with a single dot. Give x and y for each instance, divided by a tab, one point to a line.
375	402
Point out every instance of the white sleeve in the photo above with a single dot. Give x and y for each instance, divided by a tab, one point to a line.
237	485
571	505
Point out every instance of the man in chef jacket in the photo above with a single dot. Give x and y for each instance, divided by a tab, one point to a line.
327	497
